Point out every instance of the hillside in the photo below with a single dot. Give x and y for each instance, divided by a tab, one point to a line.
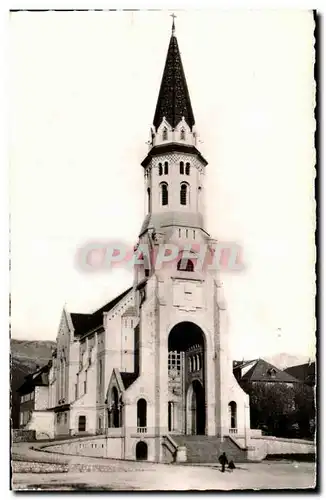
26	355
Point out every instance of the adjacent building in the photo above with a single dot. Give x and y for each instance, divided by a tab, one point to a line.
306	373
259	371
34	411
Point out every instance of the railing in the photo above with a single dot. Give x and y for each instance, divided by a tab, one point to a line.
233	431
141	430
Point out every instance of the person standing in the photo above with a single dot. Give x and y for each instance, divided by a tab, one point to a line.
223	461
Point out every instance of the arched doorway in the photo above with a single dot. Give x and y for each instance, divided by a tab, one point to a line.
196	410
141	450
186	379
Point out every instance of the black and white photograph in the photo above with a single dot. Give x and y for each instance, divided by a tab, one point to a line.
162	249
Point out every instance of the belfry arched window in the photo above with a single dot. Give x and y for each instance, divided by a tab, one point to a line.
185	265
182	168
166	168
165	134
164	193
184	194
182	134
160	169
187	168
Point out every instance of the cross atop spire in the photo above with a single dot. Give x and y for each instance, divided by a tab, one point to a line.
173	25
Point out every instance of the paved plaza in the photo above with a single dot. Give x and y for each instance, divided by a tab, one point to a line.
85	473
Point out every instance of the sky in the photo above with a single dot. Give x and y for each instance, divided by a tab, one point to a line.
83	89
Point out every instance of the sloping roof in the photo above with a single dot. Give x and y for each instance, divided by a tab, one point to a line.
161	221
173	101
39	378
84	323
172	147
128	378
305	373
265	372
242	364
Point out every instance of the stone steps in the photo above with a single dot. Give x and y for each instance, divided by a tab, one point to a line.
207	449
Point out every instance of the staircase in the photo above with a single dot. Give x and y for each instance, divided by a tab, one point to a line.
207	449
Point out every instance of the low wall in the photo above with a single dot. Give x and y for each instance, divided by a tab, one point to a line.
97	446
20	435
270	445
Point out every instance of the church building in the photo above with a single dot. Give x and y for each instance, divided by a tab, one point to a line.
150	371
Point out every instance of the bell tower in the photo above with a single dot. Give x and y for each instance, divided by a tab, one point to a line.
174	169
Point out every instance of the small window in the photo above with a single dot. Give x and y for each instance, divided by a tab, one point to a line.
166	168
182	168
100	372
194	234
186	233
165	194
182	134
187	168
85	383
148	199
160	169
165	134
82	423
66	418
179	233
185	266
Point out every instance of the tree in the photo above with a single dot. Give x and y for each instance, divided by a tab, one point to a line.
281	410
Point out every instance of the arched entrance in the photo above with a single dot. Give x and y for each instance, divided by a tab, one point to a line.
141	450
196	411
186	379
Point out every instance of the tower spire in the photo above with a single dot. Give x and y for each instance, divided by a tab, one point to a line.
173	100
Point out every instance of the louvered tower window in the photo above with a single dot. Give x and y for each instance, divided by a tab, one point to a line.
165	194
183	194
